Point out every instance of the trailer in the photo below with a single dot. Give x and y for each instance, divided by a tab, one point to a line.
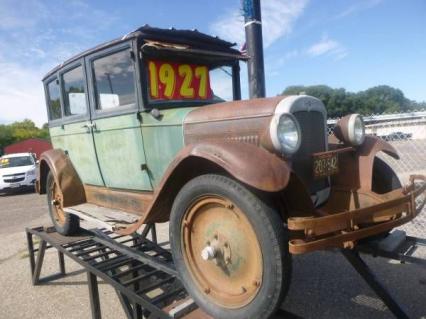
142	272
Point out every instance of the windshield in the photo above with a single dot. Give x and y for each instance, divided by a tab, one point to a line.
181	82
16	161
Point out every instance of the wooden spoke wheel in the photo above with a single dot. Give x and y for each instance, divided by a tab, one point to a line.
56	203
64	223
230	248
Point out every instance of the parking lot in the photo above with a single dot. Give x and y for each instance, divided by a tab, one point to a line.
323	285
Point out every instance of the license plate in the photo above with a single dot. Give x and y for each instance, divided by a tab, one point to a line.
325	164
14	185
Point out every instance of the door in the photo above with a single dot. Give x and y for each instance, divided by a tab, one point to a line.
72	132
116	128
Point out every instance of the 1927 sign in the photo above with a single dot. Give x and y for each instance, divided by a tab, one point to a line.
174	81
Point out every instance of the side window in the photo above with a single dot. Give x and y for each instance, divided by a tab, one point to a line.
114	80
74	92
54	102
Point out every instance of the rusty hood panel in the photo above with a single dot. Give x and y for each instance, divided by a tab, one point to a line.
243	121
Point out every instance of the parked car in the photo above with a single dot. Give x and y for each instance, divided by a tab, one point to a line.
397	136
151	125
17	172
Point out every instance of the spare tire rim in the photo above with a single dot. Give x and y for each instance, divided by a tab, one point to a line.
221	251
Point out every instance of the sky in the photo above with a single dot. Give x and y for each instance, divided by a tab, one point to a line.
341	43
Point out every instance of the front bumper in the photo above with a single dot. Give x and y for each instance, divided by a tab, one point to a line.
28	182
342	230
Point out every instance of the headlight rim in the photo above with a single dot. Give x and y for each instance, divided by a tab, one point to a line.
273	132
351	129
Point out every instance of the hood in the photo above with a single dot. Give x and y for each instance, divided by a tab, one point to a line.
16	170
245	121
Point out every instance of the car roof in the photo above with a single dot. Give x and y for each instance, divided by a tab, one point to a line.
192	38
16	155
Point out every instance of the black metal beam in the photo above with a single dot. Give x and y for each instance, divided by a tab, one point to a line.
95	304
39	262
362	268
255	65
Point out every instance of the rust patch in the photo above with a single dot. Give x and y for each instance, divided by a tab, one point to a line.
132	202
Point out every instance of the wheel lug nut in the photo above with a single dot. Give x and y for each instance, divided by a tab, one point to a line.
256	283
207	290
243	289
226	245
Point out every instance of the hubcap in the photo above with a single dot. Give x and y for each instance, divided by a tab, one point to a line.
222	252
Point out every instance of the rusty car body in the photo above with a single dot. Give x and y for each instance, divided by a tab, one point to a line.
136	156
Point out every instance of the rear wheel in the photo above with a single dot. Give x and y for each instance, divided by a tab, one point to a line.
230	248
64	223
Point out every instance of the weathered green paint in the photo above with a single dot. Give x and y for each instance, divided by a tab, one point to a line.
163	139
120	150
78	142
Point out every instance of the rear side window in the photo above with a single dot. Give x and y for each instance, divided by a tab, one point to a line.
114	80
54	101
74	92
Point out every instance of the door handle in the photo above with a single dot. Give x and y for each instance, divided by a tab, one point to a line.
90	125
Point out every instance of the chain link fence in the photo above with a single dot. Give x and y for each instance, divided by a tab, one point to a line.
406	132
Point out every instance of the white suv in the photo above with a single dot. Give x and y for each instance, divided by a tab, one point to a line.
17	171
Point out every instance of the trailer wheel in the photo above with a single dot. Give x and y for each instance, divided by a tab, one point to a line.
65	224
230	248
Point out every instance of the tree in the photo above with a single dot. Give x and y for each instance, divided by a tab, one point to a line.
374	100
19	131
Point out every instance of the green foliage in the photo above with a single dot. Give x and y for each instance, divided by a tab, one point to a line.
19	131
375	100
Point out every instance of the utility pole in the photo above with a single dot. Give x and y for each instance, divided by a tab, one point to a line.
253	28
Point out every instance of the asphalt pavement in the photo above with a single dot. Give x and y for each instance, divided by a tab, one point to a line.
323	284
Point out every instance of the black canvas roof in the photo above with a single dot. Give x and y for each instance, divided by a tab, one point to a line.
192	38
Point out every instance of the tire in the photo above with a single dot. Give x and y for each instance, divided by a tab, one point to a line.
251	242
65	224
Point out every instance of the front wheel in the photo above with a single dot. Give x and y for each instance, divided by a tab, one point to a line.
229	248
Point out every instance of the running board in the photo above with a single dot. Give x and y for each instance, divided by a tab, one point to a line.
102	217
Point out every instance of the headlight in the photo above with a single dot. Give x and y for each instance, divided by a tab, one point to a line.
31	173
285	133
350	130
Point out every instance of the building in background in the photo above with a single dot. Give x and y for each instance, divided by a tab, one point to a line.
31	145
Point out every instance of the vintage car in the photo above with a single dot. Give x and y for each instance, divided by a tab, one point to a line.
150	128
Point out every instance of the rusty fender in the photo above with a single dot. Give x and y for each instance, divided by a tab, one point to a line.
57	162
247	163
356	168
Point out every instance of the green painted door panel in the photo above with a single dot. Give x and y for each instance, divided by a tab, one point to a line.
119	145
163	139
77	141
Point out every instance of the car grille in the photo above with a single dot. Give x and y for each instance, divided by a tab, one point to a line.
313	141
14	178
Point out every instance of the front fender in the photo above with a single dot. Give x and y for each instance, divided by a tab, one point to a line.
247	163
357	167
65	175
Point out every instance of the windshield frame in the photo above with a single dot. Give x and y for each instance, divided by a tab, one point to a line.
185	58
15	157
